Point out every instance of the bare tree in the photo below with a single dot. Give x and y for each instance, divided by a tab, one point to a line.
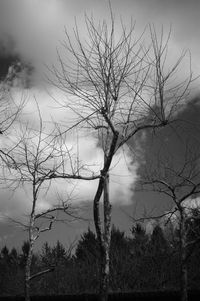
32	159
118	87
179	181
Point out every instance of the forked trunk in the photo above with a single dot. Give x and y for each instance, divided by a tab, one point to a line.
104	236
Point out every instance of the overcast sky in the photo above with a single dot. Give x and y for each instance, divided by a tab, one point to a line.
33	30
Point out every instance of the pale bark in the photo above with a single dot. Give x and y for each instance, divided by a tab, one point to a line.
27	280
31	244
104	235
28	271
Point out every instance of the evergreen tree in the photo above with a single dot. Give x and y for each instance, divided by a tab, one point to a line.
158	242
120	260
5	253
46	255
87	247
140	240
14	258
58	253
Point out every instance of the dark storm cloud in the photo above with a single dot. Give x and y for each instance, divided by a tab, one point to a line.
5	62
173	140
168	145
34	27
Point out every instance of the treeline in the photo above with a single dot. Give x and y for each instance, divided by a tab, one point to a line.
139	262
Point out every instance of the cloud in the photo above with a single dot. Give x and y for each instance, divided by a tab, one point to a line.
35	28
191	203
123	175
83	145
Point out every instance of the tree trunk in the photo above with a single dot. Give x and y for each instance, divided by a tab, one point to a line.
29	255
184	282
28	274
183	257
105	251
104	235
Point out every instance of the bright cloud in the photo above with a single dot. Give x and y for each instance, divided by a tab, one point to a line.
81	143
37	28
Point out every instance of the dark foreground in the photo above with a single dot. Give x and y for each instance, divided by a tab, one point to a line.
140	296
